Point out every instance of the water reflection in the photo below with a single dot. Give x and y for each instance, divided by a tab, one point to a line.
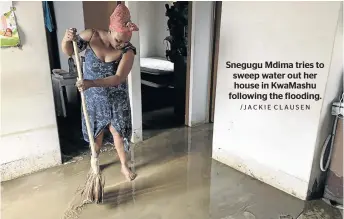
177	179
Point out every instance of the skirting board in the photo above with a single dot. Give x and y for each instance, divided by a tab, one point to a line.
29	165
278	179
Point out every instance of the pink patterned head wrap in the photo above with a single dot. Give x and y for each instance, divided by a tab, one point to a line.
120	20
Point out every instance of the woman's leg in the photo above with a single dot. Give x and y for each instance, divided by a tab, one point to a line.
99	142
119	145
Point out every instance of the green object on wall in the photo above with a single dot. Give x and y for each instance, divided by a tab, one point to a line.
9	36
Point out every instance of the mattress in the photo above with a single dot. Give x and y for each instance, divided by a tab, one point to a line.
156	65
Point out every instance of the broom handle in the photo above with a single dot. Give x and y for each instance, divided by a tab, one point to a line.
83	101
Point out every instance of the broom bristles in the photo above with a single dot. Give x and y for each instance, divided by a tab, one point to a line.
92	192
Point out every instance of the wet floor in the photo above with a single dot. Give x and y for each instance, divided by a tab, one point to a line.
177	179
158	121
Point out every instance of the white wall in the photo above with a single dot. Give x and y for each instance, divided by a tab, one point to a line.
200	62
276	147
161	28
147	28
29	139
334	88
67	14
153	28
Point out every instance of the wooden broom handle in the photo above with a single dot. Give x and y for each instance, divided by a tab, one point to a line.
83	101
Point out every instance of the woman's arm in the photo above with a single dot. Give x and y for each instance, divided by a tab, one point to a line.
122	73
67	46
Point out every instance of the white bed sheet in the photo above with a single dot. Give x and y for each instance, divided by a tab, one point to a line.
156	65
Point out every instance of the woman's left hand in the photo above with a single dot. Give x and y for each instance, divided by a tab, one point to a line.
83	85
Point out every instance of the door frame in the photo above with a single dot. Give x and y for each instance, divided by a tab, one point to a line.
188	63
200	63
187	87
215	59
134	79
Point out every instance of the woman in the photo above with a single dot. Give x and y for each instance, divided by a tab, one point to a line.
109	58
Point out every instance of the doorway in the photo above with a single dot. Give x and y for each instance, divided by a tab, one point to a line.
163	64
90	14
66	98
215	57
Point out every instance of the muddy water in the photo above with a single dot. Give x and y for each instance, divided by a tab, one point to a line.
177	179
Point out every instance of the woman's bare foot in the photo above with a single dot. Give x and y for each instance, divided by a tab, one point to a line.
130	176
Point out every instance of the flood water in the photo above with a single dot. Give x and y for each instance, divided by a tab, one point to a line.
177	179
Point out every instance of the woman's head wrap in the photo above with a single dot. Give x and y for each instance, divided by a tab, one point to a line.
120	20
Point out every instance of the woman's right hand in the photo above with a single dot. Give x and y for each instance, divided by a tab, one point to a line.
69	35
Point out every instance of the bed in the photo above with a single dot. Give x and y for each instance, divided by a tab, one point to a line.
157	80
156	65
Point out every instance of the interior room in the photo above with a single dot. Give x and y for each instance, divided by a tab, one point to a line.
163	53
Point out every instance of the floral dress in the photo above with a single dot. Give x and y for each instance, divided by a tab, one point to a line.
106	106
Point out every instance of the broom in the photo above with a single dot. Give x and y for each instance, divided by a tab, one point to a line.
93	190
